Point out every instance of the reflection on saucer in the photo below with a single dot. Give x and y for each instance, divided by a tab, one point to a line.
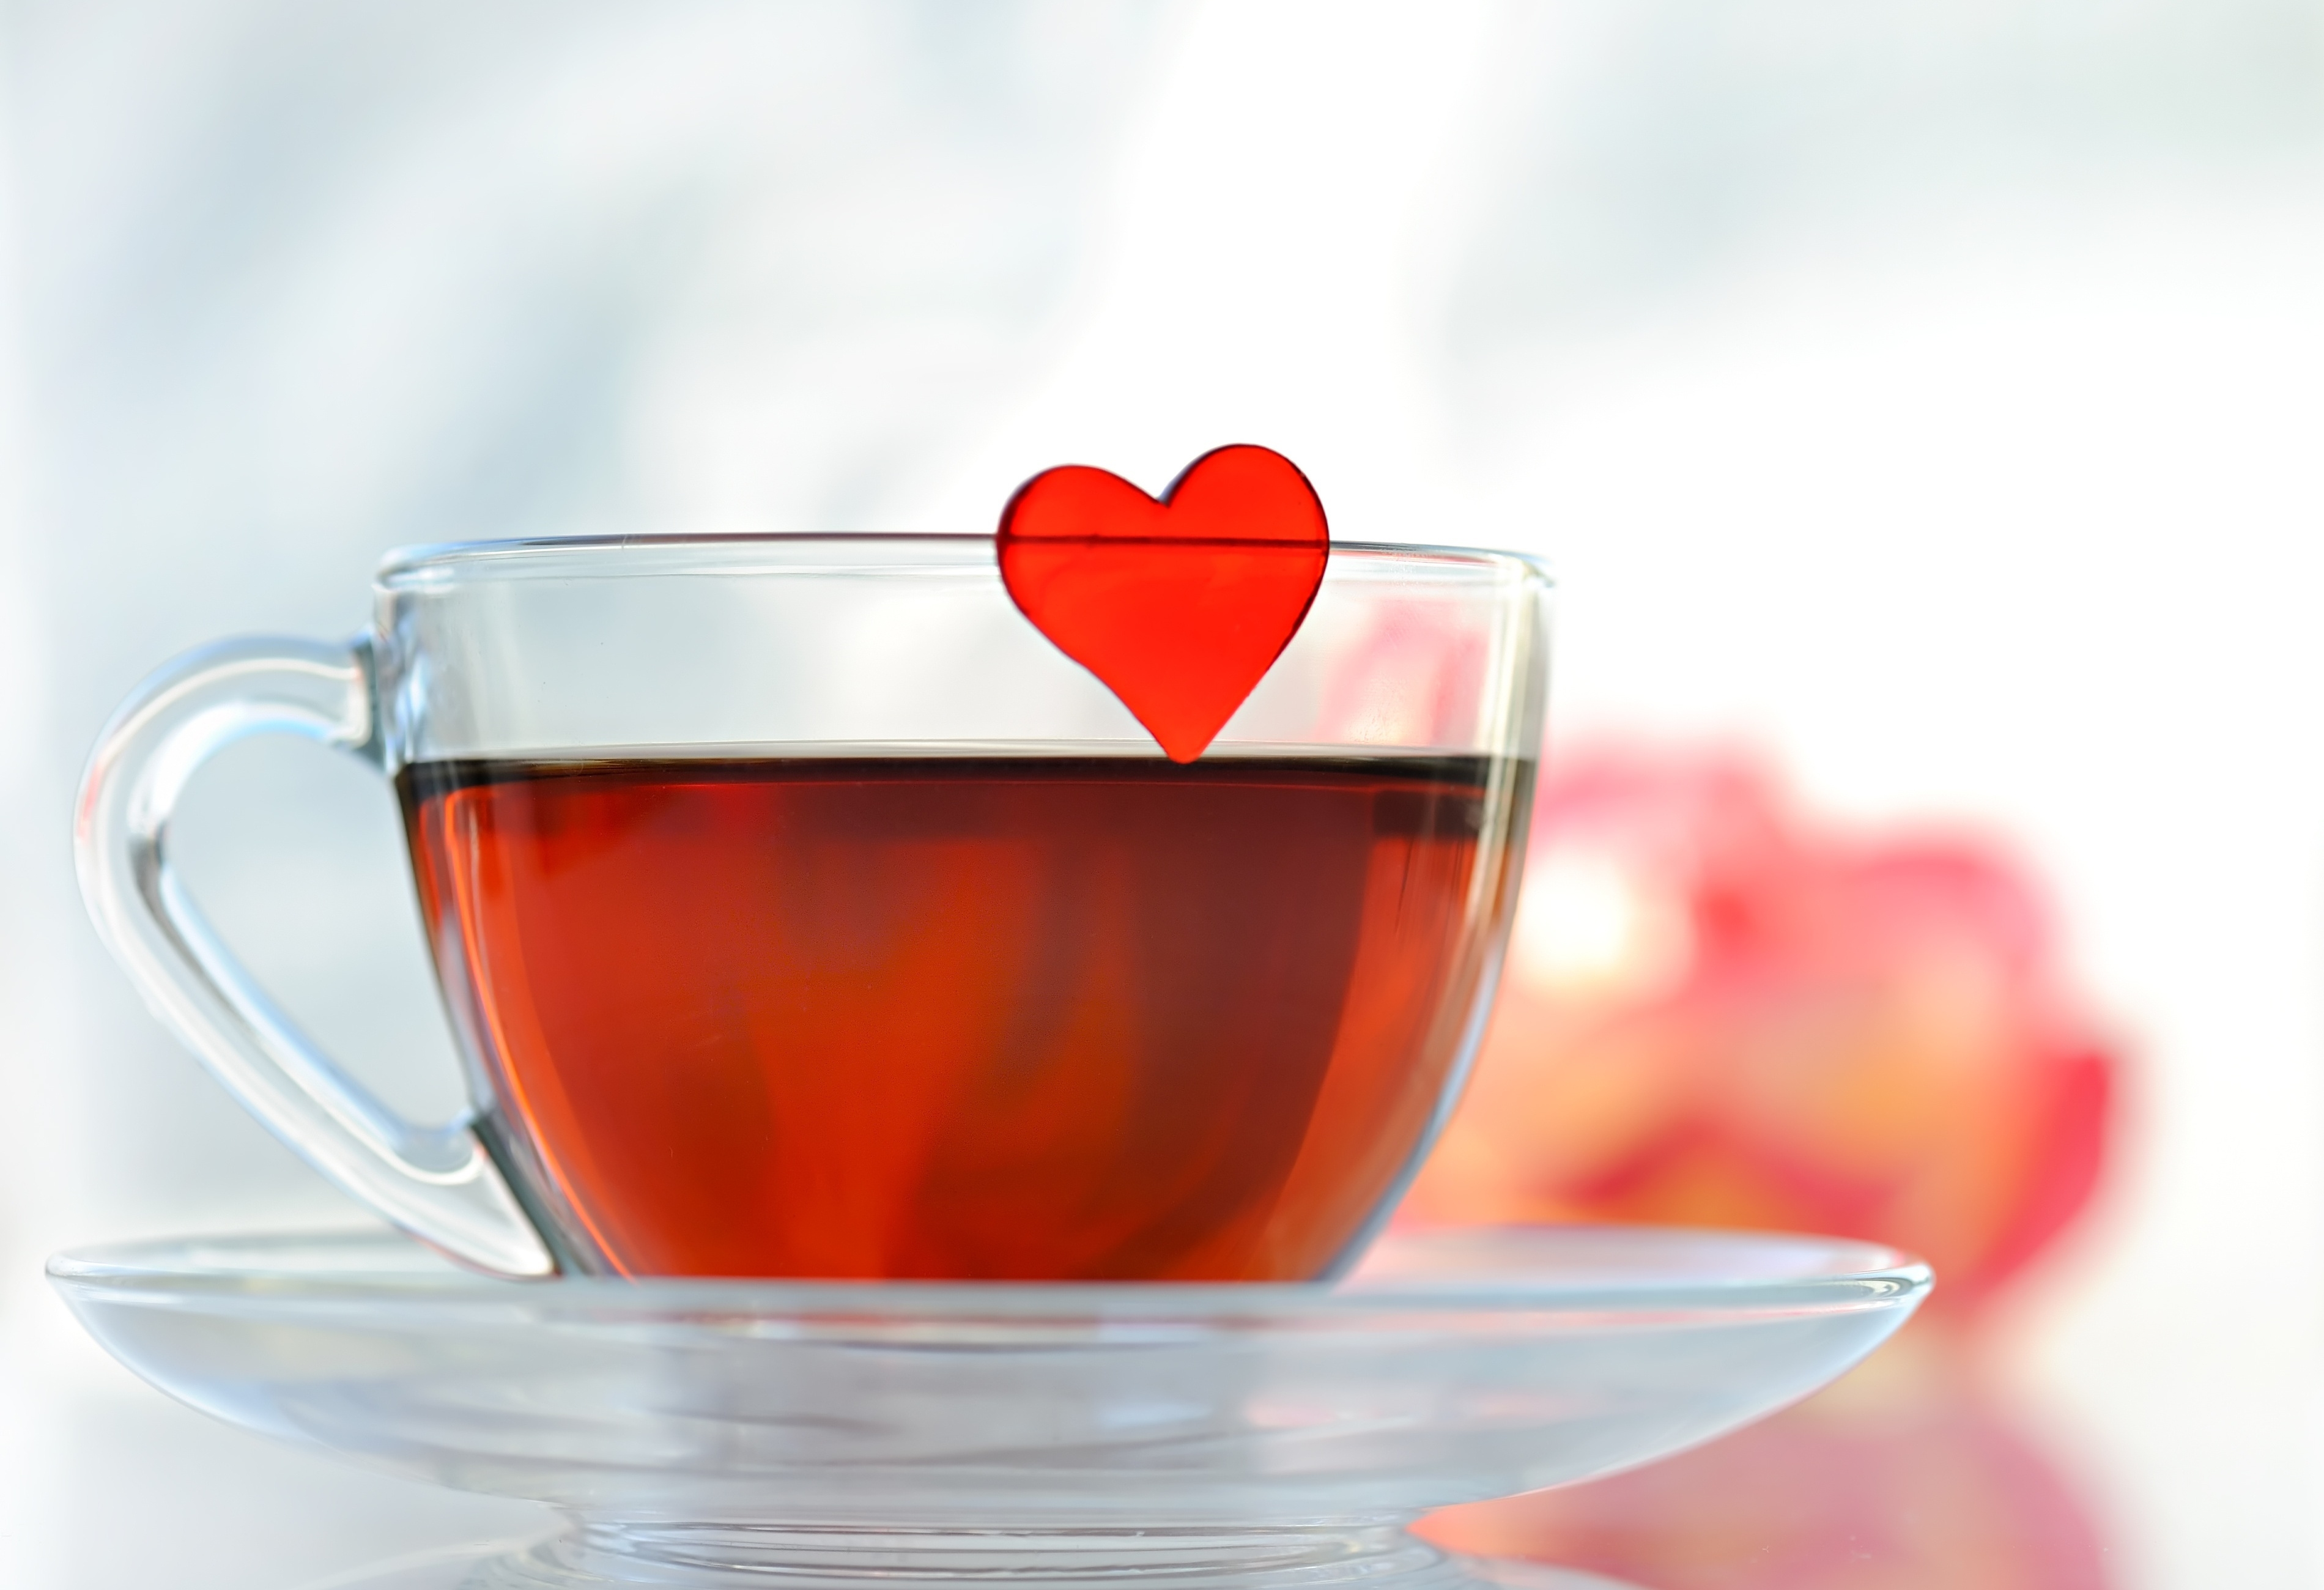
1906	1475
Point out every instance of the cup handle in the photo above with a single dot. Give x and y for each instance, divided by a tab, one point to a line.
437	1183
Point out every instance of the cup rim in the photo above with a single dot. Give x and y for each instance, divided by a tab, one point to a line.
437	563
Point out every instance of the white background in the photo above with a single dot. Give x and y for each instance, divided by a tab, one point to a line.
1931	392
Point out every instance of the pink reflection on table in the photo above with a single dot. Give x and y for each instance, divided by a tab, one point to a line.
1906	1475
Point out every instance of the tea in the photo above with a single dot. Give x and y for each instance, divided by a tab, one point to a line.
1012	1018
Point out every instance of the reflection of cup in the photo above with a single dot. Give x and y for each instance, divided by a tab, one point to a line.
803	912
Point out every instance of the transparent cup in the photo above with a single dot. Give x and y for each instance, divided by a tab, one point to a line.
802	910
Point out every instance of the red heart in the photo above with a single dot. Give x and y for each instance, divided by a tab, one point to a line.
1179	606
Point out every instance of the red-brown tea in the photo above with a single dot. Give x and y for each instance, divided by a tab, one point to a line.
952	1017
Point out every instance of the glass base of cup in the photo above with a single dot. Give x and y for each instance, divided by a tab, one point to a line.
824	1559
599	1555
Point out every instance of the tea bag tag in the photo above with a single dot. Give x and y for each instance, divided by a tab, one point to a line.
1179	605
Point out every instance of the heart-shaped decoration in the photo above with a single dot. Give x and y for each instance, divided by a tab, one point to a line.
1180	606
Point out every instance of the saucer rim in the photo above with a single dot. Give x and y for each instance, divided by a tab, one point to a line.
1859	1277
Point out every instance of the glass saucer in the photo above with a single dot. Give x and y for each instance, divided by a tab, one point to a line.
713	1433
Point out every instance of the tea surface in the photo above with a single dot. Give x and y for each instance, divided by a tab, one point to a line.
959	1017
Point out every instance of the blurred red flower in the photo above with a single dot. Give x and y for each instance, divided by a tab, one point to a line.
1720	1013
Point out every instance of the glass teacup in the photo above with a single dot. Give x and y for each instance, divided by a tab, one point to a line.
802	912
